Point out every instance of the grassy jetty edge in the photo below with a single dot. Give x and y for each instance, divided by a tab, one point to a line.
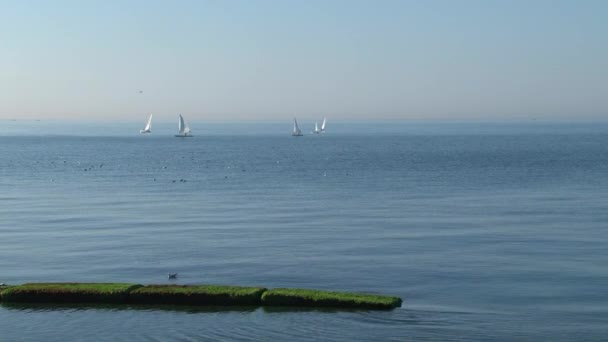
192	295
317	298
2	288
69	292
197	295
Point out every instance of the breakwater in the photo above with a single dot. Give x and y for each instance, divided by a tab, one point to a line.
128	293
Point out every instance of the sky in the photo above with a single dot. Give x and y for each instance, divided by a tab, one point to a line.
273	60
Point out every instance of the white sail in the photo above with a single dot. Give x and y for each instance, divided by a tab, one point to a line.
296	130
323	125
148	127
184	130
148	124
316	131
181	124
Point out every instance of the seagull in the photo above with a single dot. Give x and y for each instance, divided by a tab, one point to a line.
172	275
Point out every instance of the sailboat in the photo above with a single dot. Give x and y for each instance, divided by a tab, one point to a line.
323	126
148	128
184	130
296	130
317	130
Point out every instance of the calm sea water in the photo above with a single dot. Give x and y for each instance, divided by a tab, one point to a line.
490	232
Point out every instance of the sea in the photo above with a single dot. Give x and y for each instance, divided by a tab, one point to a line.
489	231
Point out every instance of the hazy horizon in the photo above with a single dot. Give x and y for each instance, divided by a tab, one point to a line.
265	60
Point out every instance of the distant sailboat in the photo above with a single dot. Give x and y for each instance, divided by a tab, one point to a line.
184	130
323	126
148	128
296	130
317	130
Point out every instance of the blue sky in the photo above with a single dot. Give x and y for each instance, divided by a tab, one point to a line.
269	60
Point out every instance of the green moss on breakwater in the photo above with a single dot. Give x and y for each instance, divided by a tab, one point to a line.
192	295
197	295
2	288
69	292
316	298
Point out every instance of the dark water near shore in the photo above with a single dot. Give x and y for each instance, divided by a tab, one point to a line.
489	232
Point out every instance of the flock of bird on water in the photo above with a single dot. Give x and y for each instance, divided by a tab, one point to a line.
184	130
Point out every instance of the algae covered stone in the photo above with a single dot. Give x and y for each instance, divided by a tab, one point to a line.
69	292
317	298
2	288
197	295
